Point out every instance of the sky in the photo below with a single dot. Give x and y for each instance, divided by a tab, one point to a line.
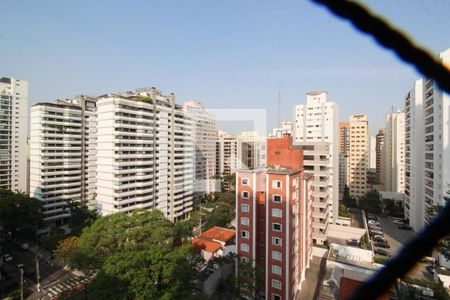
226	54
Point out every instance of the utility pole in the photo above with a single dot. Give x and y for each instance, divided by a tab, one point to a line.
21	283
38	275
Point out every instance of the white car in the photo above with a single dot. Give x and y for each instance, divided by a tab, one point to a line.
7	258
399	222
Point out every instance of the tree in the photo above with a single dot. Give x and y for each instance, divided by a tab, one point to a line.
219	217
347	199
444	244
50	240
67	248
156	273
371	202
19	214
80	217
136	256
248	278
120	232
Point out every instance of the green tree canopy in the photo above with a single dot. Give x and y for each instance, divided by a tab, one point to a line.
120	232
50	240
67	248
80	217
135	256
19	214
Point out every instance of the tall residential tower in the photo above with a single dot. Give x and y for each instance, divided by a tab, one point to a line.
13	134
358	156
318	122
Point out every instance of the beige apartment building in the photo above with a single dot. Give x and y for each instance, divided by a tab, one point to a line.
358	155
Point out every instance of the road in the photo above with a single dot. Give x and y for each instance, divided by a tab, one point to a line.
49	271
396	239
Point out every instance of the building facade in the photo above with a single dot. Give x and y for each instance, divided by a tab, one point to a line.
316	166
318	121
145	154
393	164
287	127
427	111
226	153
358	156
63	155
13	134
344	145
205	147
344	137
378	153
414	150
273	213
251	150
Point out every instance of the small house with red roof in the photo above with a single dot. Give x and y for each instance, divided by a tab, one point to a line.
215	242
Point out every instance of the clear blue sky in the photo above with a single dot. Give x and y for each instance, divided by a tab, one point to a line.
227	54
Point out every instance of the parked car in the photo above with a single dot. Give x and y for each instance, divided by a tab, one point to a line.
383	245
23	246
428	260
352	242
399	222
376	232
375	227
405	227
382	252
7	258
372	217
379	238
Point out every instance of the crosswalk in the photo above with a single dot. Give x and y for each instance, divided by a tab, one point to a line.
60	287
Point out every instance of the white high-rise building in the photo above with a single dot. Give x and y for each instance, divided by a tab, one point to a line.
393	166
427	148
318	121
145	154
358	156
414	151
13	134
286	127
62	155
251	150
205	147
226	153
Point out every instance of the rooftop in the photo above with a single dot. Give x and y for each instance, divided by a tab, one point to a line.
219	234
199	244
392	195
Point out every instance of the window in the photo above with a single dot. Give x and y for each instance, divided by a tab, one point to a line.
276	270
278	213
245	221
244	181
245	248
276	227
276	255
276	198
244	259
245	234
245	208
276	184
245	195
276	297
276	241
276	284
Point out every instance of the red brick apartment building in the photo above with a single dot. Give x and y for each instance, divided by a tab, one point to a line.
273	217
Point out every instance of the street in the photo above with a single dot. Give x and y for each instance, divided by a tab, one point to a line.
49	271
396	239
